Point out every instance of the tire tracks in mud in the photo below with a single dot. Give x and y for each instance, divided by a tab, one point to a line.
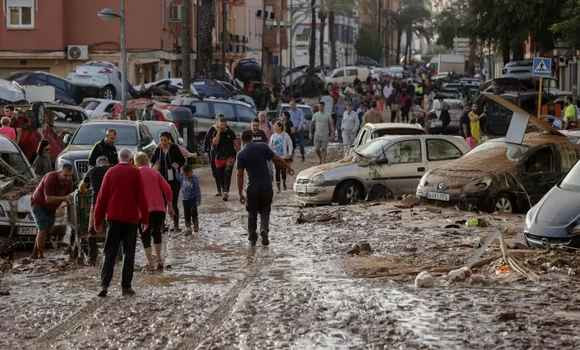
219	315
74	321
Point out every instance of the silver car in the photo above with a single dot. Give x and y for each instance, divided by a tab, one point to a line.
383	168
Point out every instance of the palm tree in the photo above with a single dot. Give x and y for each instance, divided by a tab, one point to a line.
322	15
412	19
331	8
205	25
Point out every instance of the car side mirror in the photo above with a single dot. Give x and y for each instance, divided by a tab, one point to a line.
66	139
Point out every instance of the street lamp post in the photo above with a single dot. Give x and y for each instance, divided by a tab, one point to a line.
109	14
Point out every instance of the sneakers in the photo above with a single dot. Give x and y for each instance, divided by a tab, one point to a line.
219	194
187	230
128	292
225	197
196	227
102	293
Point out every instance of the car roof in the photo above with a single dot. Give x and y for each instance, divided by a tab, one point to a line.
297	105
6	145
158	123
378	126
113	122
396	138
212	99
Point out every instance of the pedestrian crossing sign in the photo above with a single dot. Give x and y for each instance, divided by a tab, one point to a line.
542	67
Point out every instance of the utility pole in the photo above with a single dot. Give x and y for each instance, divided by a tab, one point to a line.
186	45
224	37
380	29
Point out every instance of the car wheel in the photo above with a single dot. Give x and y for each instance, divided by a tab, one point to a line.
349	193
504	204
108	92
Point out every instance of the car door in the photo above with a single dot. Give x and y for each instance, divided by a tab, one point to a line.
401	166
203	117
440	151
146	140
539	171
351	75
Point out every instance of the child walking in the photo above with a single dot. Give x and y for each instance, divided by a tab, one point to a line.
191	193
281	144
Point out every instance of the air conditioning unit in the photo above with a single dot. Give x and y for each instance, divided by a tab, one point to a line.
77	52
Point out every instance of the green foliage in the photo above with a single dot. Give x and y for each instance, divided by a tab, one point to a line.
569	26
368	43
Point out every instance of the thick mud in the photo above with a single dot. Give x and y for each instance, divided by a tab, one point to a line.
305	291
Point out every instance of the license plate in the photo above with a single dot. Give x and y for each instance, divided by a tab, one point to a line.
300	188
27	231
438	196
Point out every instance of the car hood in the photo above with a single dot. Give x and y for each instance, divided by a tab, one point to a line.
75	152
325	168
557	208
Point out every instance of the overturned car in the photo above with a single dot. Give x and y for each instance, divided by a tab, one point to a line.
499	176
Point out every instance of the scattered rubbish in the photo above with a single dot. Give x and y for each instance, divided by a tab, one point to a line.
452	226
503	269
507	316
363	248
408	202
433	210
393	212
476	222
459	275
424	280
324	217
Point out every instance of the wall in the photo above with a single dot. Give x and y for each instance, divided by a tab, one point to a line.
48	34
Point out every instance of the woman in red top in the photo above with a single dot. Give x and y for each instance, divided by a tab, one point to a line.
27	137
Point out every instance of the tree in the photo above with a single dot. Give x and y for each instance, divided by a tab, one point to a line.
413	18
205	25
322	15
312	48
368	43
452	22
331	8
569	27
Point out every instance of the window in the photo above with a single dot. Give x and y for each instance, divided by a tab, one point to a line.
360	138
89	134
338	74
441	150
20	14
245	115
57	83
226	109
541	161
200	110
351	73
404	152
109	108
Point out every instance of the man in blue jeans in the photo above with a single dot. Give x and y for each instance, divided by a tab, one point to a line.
297	119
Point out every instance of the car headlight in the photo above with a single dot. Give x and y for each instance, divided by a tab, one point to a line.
60	162
479	185
529	218
318	180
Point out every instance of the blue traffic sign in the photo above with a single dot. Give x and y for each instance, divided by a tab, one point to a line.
542	67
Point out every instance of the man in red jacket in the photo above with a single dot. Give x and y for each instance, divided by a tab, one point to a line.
122	200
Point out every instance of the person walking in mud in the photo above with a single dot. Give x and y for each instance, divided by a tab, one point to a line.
211	152
225	156
159	196
168	160
105	147
53	190
122	202
253	159
93	180
322	132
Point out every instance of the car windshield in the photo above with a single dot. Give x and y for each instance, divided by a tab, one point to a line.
372	149
513	152
89	134
157	129
89	105
397	131
17	165
572	181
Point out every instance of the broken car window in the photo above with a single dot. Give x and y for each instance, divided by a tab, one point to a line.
441	150
540	162
513	152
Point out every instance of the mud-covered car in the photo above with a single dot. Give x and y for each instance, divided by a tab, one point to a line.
382	168
555	220
17	182
501	176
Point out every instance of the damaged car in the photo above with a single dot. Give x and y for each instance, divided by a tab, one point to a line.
499	176
383	168
555	220
17	183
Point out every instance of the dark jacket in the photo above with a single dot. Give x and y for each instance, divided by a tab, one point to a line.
207	142
225	148
103	149
165	161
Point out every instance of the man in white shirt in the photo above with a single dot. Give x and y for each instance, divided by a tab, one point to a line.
349	126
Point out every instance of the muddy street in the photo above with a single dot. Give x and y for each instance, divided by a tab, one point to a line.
317	286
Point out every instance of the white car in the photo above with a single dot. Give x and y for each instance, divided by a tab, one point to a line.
384	168
18	177
173	85
104	76
347	75
371	131
98	108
